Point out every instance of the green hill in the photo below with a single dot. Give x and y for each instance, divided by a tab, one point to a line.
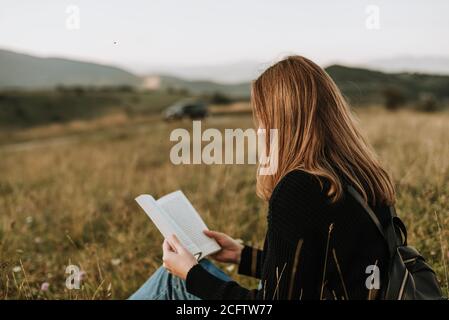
368	86
30	72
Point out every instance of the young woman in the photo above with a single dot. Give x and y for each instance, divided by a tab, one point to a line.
319	244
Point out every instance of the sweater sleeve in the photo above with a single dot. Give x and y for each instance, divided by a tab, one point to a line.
251	262
294	255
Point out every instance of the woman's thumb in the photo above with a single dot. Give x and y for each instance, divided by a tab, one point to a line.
212	234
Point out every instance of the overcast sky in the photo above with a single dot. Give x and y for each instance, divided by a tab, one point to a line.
147	33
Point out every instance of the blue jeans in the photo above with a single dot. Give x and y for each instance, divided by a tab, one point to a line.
164	286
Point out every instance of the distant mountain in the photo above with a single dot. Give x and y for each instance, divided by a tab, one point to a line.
31	72
223	73
429	64
165	82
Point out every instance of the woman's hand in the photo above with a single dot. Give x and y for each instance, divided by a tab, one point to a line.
177	259
231	249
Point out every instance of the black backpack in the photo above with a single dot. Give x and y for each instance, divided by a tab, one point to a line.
409	276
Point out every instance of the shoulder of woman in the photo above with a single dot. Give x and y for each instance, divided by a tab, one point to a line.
298	204
297	183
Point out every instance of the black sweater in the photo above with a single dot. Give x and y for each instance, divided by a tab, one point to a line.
313	249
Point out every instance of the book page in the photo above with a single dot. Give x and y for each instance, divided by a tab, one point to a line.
187	218
165	223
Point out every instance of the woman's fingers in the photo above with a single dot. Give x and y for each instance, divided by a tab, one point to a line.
176	259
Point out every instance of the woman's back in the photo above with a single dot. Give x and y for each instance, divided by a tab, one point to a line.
330	249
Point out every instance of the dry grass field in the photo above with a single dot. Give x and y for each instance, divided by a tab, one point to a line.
67	198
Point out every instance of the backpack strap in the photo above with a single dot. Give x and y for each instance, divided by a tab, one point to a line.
392	211
387	233
398	226
367	209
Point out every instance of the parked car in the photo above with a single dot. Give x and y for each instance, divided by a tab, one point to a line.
186	109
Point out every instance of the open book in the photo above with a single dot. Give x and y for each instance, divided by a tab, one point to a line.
174	214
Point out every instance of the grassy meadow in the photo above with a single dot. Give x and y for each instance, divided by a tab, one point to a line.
67	197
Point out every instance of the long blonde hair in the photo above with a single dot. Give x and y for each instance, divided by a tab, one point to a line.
316	132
